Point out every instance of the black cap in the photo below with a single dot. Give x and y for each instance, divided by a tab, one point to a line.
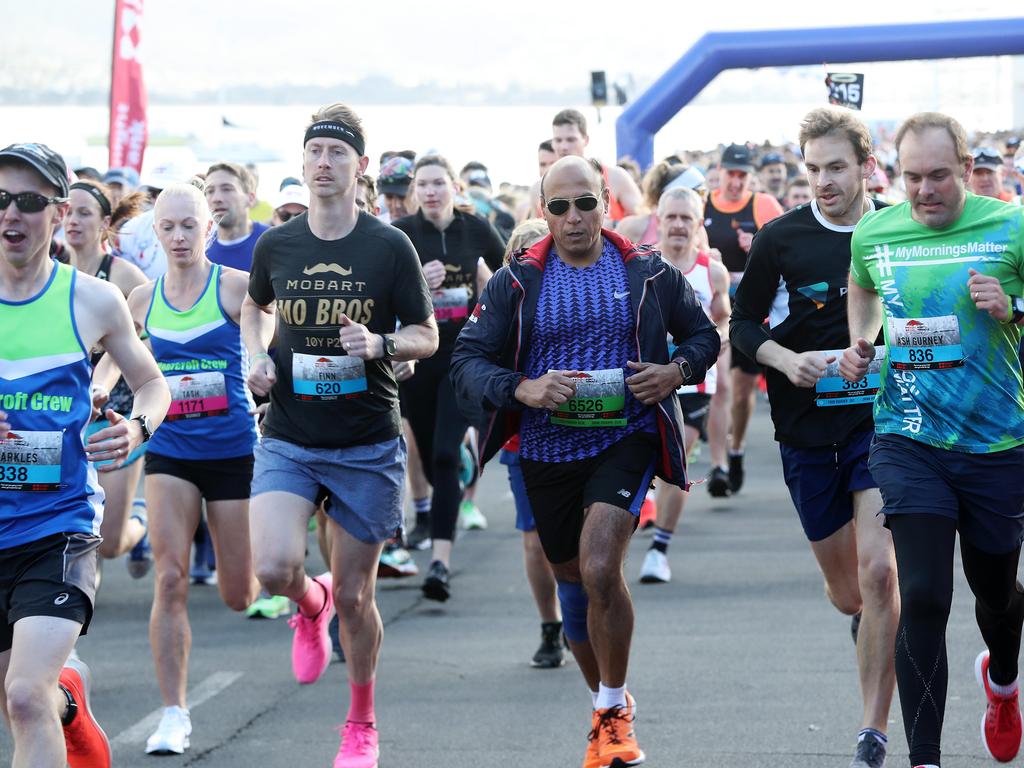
738	157
772	158
50	165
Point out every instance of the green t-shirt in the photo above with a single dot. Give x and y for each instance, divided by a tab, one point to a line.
952	378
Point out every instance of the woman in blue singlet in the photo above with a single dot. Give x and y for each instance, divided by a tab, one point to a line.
203	450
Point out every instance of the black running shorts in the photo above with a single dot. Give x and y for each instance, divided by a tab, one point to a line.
54	576
559	492
216	479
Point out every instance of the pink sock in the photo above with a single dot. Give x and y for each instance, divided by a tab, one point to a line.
360	708
313	601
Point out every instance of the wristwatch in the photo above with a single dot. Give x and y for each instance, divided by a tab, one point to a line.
144	425
684	369
1017	308
390	346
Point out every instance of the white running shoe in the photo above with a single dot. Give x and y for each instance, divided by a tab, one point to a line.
655	569
471	518
171	736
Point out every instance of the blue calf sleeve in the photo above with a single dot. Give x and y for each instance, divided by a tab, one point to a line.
574	603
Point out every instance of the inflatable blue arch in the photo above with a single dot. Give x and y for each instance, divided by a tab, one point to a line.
718	51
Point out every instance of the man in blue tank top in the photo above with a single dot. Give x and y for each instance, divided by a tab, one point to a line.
50	500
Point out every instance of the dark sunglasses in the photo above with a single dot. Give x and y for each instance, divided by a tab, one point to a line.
287	216
27	202
558	206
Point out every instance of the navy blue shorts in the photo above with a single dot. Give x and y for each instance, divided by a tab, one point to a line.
524	512
821	482
982	492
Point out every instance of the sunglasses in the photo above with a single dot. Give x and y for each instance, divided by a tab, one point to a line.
558	206
287	215
27	202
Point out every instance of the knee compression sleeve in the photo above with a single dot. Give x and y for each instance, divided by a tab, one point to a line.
573	600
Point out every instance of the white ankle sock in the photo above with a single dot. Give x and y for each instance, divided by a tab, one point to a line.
593	698
1002	690
609	697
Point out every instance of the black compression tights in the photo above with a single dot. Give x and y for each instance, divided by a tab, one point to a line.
924	557
439	428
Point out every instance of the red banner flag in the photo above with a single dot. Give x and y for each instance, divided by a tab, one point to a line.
128	131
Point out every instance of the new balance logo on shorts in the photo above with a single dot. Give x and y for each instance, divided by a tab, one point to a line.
61	598
624	493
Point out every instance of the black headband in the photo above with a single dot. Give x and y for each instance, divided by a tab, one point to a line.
334	129
99	196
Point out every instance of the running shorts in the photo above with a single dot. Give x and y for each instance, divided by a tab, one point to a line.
982	492
364	483
52	576
822	480
559	492
216	479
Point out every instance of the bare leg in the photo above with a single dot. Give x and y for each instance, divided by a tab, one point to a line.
278	524
32	702
603	543
174	507
744	393
859	567
879	589
229	529
354	573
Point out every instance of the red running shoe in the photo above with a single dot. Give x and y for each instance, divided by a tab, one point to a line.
1001	723
86	742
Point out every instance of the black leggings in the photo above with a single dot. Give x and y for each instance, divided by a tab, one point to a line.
924	557
439	428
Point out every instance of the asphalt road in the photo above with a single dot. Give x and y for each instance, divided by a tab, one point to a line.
739	662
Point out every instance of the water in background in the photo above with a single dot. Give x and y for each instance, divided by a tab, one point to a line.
504	138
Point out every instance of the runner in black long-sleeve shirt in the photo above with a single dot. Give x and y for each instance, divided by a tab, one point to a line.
796	276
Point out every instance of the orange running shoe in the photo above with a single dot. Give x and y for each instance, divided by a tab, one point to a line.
616	739
87	744
592	759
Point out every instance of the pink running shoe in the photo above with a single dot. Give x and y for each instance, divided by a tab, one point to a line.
311	645
359	747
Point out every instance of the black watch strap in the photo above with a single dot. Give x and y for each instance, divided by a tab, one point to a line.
1017	306
144	426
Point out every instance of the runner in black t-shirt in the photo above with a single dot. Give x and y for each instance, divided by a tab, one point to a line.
458	251
796	275
336	279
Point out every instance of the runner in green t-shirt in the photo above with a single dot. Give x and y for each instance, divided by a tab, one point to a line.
942	349
941	273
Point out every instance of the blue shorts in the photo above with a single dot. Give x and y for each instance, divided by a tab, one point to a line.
363	484
982	492
524	512
102	423
822	480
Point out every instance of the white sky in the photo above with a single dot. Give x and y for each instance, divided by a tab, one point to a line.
200	44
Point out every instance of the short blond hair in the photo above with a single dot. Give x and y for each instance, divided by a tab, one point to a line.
524	235
191	191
